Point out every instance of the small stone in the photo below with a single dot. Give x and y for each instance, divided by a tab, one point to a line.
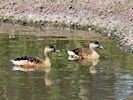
89	29
70	7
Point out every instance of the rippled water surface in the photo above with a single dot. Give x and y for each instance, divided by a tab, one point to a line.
110	78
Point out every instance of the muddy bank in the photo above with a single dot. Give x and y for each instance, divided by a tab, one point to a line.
58	32
113	18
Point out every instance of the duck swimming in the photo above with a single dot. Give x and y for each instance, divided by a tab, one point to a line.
85	53
30	63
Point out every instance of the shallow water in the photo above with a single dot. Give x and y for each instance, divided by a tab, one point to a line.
110	78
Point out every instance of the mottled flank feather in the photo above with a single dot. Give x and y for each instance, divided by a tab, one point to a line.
82	52
28	58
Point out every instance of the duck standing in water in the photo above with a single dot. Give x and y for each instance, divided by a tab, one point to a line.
30	63
85	53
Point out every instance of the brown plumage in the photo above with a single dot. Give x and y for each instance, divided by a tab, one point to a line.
29	63
82	52
85	53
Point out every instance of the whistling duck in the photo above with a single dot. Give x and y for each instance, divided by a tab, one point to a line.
30	63
85	53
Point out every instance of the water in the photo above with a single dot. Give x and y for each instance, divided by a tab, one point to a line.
110	78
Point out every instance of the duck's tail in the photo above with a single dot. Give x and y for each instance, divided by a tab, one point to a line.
15	62
18	62
72	55
16	68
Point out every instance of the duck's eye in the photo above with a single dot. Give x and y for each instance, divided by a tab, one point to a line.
96	42
50	46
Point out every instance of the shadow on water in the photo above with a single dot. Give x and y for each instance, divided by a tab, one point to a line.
109	78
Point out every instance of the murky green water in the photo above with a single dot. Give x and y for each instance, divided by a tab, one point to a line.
110	78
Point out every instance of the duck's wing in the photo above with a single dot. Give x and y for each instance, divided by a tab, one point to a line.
79	53
26	60
82	52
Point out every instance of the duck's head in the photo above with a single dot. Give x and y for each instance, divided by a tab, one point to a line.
50	48
94	45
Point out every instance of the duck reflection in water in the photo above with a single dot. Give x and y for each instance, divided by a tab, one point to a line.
91	63
47	71
86	56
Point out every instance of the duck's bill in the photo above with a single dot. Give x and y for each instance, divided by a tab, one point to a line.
56	50
101	47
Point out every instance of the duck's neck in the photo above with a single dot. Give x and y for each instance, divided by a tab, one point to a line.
92	49
47	60
46	55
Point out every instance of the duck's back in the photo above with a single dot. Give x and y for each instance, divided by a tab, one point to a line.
28	58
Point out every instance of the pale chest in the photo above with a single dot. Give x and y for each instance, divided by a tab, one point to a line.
47	62
94	55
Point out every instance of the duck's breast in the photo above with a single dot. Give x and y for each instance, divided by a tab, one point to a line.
93	55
